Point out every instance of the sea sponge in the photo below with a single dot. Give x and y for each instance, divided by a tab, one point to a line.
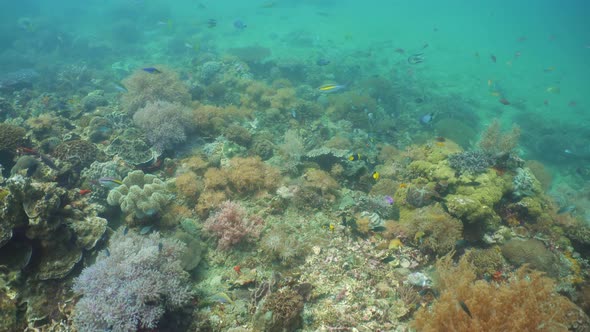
141	195
143	87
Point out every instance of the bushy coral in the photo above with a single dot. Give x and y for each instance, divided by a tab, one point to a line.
499	144
249	175
526	302
231	224
164	123
132	285
140	195
433	229
143	87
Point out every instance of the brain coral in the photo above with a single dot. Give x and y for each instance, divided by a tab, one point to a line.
141	195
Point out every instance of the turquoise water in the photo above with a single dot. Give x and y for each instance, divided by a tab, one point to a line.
414	76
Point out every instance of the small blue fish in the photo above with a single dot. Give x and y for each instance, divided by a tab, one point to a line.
322	62
110	183
426	118
151	70
566	209
240	25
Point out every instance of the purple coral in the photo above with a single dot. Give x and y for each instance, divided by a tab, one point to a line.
164	123
132	285
231	224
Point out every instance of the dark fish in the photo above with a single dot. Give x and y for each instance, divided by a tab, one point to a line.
107	252
465	308
504	101
151	70
125	230
240	25
322	62
211	23
493	57
160	246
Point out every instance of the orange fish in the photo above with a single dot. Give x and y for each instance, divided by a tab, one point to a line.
85	191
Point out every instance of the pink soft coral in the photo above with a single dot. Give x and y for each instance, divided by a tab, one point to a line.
231	224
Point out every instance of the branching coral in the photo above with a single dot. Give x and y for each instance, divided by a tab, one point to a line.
526	302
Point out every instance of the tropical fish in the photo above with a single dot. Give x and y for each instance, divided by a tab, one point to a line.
144	230
240	25
220	297
354	157
211	23
151	70
504	101
493	57
426	118
465	308
376	175
331	88
109	182
85	191
322	62
567	209
416	58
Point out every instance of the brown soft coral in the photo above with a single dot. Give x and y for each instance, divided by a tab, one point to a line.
433	229
526	302
250	175
143	87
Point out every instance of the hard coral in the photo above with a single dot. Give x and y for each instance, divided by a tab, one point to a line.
78	152
526	302
471	161
11	137
143	87
231	224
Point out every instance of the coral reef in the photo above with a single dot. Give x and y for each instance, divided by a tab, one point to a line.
132	284
140	195
527	301
433	230
231	224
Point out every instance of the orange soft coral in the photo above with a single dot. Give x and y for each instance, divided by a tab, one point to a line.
527	301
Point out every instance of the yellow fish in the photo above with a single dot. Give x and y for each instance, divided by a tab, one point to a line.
354	157
553	89
330	88
376	175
